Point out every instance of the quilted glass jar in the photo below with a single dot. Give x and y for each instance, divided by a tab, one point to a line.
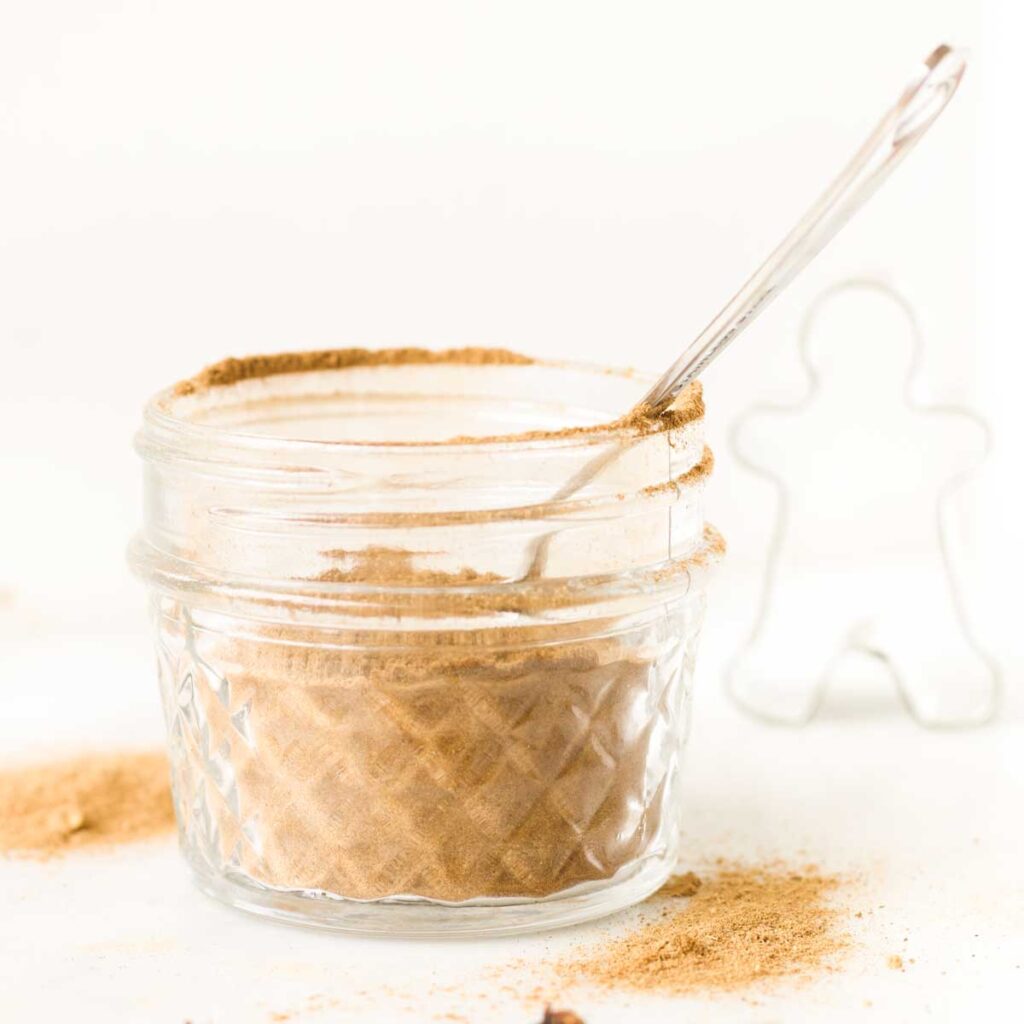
425	634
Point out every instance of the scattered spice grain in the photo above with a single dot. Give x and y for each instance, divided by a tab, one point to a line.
561	1017
94	800
745	925
681	886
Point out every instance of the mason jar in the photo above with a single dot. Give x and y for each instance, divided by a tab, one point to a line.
425	627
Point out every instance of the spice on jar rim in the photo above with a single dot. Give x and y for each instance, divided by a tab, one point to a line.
642	419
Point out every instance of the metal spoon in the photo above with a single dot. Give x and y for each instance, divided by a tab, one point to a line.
924	98
922	101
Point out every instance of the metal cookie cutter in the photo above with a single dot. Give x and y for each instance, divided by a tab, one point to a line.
862	557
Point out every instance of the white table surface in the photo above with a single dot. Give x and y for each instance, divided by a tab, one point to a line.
931	824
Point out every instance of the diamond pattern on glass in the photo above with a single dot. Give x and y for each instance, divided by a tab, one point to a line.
369	786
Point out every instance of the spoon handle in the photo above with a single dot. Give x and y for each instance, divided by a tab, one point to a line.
920	104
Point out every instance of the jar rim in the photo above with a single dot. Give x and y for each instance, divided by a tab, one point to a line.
163	426
256	484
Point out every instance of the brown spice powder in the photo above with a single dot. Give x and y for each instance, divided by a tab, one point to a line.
396	567
694	475
745	925
99	799
232	370
447	772
408	588
682	886
450	764
642	419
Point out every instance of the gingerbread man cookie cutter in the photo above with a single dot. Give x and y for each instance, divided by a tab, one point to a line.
846	591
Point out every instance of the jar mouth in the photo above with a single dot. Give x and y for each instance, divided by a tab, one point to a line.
462	464
456	401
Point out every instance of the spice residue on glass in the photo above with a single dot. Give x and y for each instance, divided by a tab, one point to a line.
641	419
403	664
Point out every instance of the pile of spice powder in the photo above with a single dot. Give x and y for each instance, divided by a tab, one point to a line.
444	748
744	925
92	800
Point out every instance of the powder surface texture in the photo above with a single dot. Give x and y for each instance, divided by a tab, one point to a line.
448	763
397	567
743	926
94	800
447	771
683	886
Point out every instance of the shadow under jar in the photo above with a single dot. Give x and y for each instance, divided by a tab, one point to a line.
425	633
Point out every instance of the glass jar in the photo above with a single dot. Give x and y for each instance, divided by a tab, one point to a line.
425	635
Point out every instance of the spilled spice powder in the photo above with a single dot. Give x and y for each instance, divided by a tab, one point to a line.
93	800
745	925
561	1017
684	885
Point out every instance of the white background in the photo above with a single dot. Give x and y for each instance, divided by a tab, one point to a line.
184	181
